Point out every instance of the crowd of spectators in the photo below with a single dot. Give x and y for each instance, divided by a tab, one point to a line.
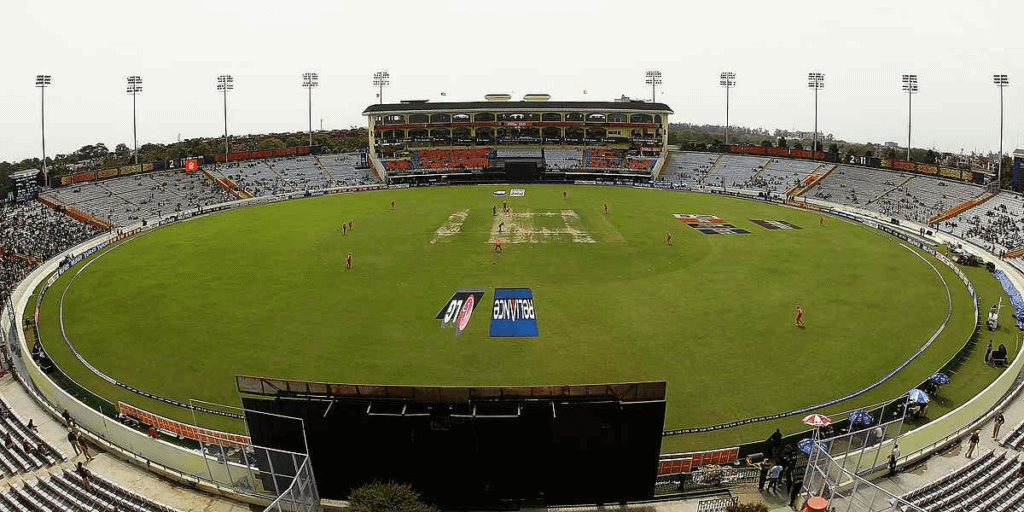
998	229
129	199
31	233
302	174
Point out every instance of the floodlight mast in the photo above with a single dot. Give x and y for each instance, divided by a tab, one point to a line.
1002	82
727	79
654	80
815	81
42	82
381	79
309	81
134	89
909	87
225	83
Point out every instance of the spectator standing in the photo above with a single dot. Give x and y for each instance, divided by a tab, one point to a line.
996	423
975	437
775	443
894	457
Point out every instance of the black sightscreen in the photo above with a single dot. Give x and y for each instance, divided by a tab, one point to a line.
551	451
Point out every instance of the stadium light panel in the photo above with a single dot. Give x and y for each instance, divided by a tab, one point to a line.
910	84
134	84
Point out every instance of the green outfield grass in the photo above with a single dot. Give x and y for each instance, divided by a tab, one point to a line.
263	291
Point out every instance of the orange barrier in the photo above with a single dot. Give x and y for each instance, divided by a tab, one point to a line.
675	463
960	208
1015	253
204	435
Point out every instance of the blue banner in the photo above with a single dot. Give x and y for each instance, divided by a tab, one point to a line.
513	314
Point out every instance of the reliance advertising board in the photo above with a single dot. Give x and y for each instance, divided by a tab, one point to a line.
513	314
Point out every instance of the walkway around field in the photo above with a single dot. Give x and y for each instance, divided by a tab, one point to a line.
104	464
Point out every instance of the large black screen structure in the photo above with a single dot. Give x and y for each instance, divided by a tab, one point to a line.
469	446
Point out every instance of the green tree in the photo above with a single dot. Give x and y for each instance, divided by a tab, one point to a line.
122	151
766	143
387	497
270	143
782	143
798	144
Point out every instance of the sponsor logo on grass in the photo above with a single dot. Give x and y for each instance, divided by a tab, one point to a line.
774	224
517	192
499	193
709	224
513	314
459	309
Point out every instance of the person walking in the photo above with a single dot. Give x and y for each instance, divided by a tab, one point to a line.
85	475
83	445
975	437
74	442
988	352
762	475
894	457
997	423
773	478
794	491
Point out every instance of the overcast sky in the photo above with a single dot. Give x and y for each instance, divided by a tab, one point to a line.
469	48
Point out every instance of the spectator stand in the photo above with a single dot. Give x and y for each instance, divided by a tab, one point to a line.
989	482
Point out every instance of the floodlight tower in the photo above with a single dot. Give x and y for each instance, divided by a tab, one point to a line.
309	81
653	80
909	87
134	89
728	80
815	81
225	83
42	82
1001	82
381	79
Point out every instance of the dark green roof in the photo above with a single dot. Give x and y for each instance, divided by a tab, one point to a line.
517	106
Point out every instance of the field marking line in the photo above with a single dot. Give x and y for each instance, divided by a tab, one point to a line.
451	227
